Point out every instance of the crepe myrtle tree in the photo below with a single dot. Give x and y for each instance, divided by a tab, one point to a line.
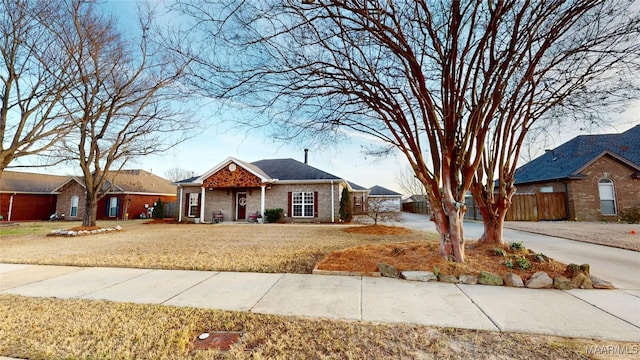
435	80
34	77
123	107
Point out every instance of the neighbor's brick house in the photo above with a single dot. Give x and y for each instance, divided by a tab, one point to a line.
599	174
28	196
131	193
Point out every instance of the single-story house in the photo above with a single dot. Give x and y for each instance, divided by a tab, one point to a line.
28	196
131	195
599	174
384	199
235	189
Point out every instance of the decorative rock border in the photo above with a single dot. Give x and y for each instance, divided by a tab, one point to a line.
581	278
61	232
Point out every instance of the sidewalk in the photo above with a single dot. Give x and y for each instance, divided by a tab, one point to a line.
603	314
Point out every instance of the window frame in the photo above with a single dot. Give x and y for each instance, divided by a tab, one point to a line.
607	183
192	211
113	207
304	201
74	199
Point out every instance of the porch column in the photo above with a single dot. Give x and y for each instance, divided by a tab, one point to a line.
202	205
333	204
262	194
180	205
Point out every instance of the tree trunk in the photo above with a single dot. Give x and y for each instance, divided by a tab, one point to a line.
493	229
449	226
493	208
90	210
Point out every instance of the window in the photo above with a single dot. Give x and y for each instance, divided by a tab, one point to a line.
193	204
74	206
607	197
546	189
302	203
113	207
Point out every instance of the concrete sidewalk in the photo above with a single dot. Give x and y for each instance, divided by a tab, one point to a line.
603	314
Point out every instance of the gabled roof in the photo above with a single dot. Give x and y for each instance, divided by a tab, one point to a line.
24	182
131	181
140	181
378	190
292	170
570	158
249	167
357	187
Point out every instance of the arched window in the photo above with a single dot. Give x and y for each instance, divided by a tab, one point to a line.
607	197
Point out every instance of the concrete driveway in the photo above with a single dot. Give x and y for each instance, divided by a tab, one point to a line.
621	267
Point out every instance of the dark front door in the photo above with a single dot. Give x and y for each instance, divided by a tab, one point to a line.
241	206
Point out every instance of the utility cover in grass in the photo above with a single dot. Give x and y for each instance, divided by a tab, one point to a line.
217	340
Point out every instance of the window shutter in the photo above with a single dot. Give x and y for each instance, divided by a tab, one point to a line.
289	203
199	201
106	210
117	207
315	204
186	204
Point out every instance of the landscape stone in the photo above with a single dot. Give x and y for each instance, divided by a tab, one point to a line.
451	279
118	227
513	280
562	283
540	280
578	280
419	276
468	279
388	270
600	283
585	268
487	278
573	269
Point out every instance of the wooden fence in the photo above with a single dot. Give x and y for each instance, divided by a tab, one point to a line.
528	207
417	207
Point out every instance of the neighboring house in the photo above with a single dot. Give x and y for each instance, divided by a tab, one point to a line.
599	174
28	196
131	195
359	195
236	189
418	204
384	199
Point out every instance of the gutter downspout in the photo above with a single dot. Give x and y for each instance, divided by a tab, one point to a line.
180	204
333	205
10	207
202	202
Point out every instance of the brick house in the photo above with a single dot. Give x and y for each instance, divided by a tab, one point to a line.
236	190
28	196
385	199
131	195
599	175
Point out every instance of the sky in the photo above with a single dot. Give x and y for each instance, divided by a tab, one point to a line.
344	159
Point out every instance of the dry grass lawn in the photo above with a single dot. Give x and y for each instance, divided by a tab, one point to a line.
80	329
221	247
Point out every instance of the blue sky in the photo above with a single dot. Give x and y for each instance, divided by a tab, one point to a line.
345	159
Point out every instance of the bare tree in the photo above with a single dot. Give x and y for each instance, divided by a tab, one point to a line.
434	79
410	184
34	80
177	173
378	210
123	107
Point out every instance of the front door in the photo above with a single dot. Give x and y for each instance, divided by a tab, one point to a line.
241	206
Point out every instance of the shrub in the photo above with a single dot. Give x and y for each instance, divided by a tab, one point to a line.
508	264
518	246
523	263
499	252
158	210
345	206
273	215
631	216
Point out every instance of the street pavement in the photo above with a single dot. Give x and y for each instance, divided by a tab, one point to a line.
601	314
